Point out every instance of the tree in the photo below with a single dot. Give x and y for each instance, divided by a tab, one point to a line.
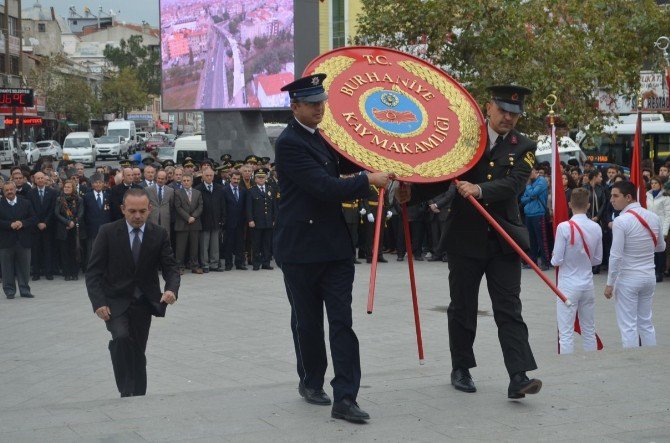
123	93
134	55
572	47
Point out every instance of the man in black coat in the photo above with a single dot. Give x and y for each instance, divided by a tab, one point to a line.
235	196
212	218
19	178
313	248
122	283
261	213
116	193
97	210
475	249
43	199
17	221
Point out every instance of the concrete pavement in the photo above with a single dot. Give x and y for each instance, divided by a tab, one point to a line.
221	367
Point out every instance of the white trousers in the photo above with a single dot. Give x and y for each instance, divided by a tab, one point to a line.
584	303
633	299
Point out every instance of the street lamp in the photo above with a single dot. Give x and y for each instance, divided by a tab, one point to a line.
662	43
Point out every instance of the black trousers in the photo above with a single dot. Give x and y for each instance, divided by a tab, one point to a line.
503	277
130	332
370	238
43	252
68	254
309	286
416	233
234	245
261	245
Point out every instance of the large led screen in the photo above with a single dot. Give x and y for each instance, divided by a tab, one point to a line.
226	54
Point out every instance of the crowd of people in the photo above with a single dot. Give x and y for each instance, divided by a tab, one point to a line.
218	216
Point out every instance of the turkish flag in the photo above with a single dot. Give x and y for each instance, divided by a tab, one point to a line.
391	116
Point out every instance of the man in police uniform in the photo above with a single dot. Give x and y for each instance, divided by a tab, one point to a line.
475	249
261	212
314	250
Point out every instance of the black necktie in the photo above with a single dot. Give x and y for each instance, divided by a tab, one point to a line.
160	194
237	197
137	243
209	188
41	196
497	142
99	201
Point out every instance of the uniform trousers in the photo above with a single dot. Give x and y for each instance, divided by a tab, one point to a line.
261	244
503	278
353	232
234	245
209	248
130	332
583	303
190	239
309	286
633	300
15	264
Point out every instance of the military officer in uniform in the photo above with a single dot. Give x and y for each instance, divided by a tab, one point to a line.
261	212
352	217
475	249
314	251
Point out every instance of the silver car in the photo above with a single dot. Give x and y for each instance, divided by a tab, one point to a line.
50	147
32	152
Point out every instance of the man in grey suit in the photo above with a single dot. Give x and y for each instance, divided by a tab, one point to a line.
187	225
149	176
161	198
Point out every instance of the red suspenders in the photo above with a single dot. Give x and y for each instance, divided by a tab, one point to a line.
646	225
574	225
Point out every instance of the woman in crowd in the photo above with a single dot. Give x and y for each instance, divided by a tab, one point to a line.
70	215
659	204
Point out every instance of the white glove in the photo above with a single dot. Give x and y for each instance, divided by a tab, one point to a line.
362	211
371	218
389	214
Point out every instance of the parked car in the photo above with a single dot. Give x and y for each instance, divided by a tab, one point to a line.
165	153
32	152
50	147
155	141
112	146
10	154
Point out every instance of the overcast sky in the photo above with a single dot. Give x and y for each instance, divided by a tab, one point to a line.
132	11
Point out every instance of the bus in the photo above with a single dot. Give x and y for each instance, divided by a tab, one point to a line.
615	142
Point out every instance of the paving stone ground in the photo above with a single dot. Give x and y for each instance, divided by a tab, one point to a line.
221	367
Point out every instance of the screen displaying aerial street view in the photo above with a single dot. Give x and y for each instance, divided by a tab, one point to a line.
226	54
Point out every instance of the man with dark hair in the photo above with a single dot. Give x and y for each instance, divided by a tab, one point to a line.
636	236
534	201
117	192
17	220
97	210
43	199
122	283
235	196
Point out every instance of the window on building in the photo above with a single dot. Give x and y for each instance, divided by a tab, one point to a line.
11	24
14	65
338	19
41	27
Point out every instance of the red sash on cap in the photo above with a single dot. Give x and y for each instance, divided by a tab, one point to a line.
646	225
574	225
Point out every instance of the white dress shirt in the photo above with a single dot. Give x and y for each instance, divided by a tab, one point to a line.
632	252
574	265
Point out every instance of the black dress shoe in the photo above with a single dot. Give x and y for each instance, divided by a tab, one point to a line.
68	278
357	262
435	258
381	260
228	268
314	396
267	267
418	258
256	268
10	297
27	296
205	270
350	411
36	277
50	277
520	385
241	268
462	380
126	395
216	270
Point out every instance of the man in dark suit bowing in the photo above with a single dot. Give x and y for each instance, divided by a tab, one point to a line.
122	283
475	249
313	248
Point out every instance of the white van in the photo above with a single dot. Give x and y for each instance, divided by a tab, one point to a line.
125	129
80	147
10	155
568	149
190	146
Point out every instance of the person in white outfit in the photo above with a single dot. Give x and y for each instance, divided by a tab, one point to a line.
577	248
636	235
659	204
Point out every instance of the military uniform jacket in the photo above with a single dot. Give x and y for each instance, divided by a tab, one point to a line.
501	174
351	209
310	225
261	207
